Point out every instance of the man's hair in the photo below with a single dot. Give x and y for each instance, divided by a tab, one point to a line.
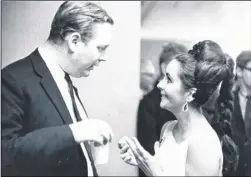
169	50
77	16
243	58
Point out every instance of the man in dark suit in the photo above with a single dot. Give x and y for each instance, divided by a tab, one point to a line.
45	128
241	119
151	117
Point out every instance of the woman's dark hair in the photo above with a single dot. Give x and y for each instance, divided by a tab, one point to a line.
205	67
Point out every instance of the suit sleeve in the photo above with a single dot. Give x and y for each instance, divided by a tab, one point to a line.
39	146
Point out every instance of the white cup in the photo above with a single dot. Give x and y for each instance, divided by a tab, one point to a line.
100	154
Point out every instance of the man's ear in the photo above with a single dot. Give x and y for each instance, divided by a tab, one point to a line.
73	41
190	96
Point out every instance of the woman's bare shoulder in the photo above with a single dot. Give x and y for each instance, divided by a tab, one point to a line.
204	152
168	126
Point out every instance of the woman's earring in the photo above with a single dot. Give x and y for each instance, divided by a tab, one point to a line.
189	99
185	107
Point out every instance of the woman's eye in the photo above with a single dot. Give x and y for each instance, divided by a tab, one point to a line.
168	79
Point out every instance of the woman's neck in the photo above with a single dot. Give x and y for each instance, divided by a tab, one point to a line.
186	120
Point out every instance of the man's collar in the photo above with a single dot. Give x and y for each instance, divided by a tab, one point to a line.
50	58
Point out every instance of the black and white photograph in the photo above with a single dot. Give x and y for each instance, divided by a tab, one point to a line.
125	88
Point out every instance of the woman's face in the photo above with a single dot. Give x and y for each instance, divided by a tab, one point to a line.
173	94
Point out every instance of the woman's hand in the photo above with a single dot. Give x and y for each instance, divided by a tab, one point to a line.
134	154
126	153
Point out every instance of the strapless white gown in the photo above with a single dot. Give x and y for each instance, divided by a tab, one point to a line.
171	155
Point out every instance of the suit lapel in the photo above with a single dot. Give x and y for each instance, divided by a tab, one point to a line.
237	116
50	86
55	96
76	91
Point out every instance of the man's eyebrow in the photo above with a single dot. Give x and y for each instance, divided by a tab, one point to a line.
103	46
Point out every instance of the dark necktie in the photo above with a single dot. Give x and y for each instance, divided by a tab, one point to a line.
247	119
78	117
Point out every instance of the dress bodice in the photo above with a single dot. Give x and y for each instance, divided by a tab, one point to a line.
170	154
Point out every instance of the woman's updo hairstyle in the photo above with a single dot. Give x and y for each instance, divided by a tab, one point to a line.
206	67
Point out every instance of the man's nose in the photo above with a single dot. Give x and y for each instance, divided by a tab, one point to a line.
103	57
97	63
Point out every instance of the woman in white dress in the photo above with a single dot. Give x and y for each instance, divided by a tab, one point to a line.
189	146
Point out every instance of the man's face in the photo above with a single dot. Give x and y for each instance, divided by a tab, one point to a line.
88	55
147	76
245	74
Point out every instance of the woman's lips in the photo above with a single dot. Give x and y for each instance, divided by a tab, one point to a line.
163	95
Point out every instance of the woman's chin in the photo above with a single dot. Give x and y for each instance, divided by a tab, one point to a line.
163	105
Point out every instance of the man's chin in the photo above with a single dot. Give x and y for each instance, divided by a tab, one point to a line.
86	73
82	74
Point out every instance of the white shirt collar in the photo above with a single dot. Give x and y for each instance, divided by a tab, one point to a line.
51	62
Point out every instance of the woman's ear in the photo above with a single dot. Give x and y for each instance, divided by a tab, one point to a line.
190	96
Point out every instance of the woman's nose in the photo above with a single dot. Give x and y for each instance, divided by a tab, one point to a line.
159	85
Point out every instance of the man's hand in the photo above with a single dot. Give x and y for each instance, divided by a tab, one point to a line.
94	130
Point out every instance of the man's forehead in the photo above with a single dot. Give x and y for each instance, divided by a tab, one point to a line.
102	32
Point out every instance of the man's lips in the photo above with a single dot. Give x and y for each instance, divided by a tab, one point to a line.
91	67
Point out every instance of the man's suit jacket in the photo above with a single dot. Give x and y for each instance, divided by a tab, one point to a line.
238	131
36	139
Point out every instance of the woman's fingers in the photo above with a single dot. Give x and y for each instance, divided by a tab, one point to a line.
127	158
137	144
122	142
140	151
124	148
132	146
123	156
